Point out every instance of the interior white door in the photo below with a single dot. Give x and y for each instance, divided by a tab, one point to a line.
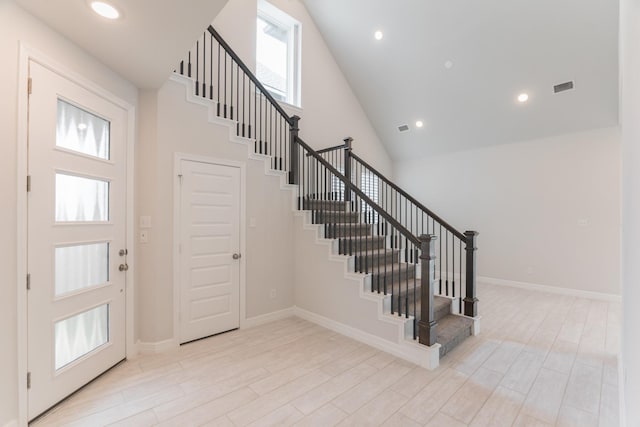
76	229
210	236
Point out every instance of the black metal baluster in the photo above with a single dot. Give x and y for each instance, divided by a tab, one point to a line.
218	100
446	261
225	84
244	102
237	99
197	67
189	67
460	299
440	256
211	67
204	65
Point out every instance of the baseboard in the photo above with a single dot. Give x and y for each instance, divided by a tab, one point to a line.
550	289
156	347
266	318
427	357
12	423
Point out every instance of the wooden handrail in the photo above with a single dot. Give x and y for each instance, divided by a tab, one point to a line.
248	72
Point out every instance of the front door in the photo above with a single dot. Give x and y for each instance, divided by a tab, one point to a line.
209	249
76	237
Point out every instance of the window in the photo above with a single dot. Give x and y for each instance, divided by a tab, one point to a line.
278	53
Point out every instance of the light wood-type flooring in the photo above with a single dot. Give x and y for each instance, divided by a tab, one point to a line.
540	360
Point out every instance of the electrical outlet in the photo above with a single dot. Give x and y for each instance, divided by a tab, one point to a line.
272	294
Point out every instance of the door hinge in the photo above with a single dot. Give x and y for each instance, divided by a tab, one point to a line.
29	86
28	183
28	380
180	178
28	281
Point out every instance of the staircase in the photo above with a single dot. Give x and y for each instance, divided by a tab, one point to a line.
422	268
387	272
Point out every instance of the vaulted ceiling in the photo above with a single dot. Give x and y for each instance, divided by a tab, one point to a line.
458	66
144	45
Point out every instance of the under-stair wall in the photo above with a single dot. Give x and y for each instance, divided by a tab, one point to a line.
170	124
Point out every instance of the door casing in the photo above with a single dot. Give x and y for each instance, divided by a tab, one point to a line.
27	54
178	157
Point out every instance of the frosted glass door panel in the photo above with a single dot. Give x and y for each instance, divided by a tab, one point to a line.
82	266
81	199
81	131
81	334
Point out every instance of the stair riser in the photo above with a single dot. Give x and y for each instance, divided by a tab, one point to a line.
336	218
395	275
324	205
438	314
365	260
461	336
355	231
360	245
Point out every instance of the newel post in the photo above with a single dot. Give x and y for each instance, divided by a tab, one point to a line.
427	324
347	165
293	152
470	300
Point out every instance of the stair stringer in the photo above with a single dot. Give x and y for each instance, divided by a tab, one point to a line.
399	340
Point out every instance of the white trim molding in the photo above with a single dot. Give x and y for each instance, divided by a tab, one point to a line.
421	355
550	289
156	347
262	319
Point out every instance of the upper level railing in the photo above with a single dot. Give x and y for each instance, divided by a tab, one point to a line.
410	252
221	76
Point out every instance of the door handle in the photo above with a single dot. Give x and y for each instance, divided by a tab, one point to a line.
237	256
123	267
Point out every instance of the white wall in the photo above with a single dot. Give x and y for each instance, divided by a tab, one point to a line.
18	26
168	124
526	200
330	111
630	102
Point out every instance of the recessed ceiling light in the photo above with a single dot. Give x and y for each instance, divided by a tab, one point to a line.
523	97
105	10
448	65
419	124
378	35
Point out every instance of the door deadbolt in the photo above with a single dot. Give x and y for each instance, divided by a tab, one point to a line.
123	252
236	256
123	267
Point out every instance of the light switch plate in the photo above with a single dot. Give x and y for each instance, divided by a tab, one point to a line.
145	222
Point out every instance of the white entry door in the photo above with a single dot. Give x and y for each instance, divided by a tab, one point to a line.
76	229
209	249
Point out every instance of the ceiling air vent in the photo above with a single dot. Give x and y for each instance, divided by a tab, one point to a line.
562	87
403	128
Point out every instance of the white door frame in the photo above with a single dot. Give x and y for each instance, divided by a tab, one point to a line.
27	54
178	157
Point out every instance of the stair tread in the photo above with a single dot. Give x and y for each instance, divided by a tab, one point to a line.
451	330
363	253
390	268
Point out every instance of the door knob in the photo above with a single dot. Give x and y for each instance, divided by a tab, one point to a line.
123	267
236	256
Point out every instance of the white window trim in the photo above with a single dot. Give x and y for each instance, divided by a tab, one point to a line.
269	12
